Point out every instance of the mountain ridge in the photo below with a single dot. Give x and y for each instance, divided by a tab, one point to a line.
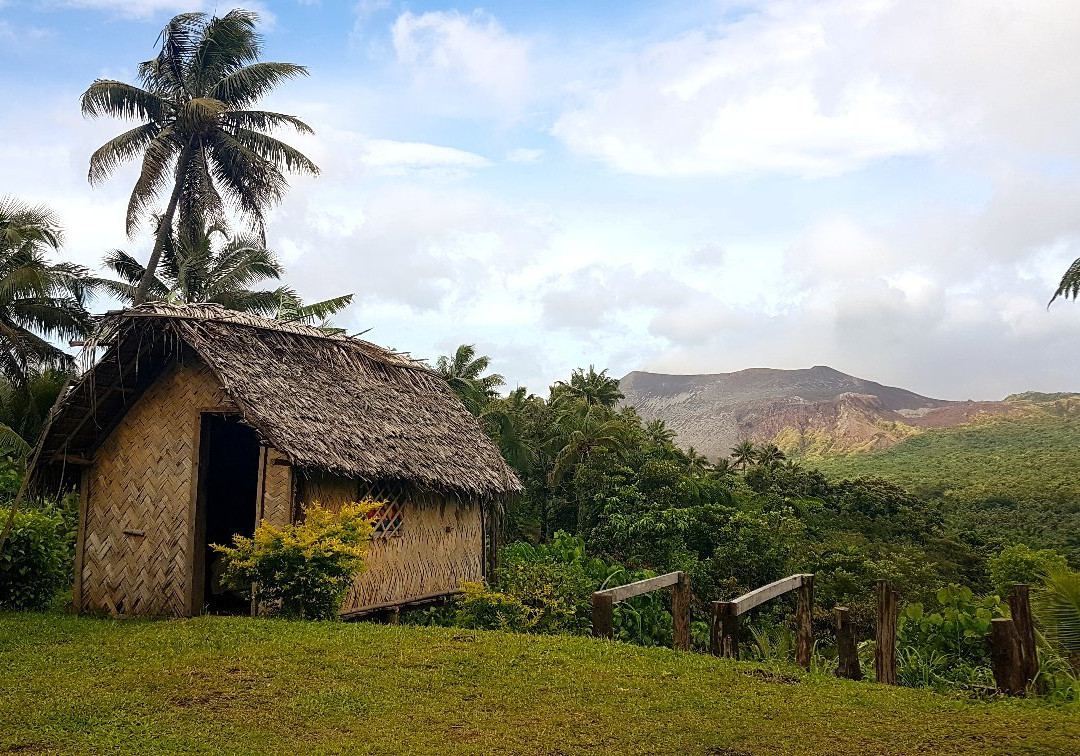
817	410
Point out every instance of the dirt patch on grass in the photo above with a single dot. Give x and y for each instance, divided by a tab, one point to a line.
776	677
28	748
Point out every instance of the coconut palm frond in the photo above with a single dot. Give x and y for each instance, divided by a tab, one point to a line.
1070	283
1057	608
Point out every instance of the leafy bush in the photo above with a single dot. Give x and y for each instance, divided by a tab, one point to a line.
1057	676
305	569
948	648
553	588
929	668
36	559
1021	564
548	588
479	608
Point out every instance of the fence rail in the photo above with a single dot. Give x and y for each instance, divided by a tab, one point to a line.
1012	640
603	605
724	628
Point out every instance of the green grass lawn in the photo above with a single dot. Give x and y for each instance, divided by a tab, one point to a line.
217	685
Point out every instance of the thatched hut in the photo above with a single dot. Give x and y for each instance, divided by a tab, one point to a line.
197	422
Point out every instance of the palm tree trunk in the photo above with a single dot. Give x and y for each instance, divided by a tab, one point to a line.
163	231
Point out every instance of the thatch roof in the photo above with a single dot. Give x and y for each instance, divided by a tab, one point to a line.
328	402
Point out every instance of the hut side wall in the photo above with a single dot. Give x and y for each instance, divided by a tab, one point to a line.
138	528
440	546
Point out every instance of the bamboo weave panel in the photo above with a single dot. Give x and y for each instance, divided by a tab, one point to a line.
437	547
277	491
140	482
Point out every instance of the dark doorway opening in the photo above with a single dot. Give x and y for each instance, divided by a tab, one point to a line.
229	483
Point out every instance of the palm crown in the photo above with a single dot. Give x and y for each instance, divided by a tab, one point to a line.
39	300
198	131
464	371
215	267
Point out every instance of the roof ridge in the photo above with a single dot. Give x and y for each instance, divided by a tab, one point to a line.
216	312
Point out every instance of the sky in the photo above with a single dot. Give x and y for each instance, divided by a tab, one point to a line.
888	188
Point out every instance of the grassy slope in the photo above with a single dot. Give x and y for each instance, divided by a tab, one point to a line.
245	686
1029	457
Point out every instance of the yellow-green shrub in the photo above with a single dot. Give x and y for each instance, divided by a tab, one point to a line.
305	569
479	608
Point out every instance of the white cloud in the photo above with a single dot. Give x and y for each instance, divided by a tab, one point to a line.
451	50
22	37
757	95
525	155
398	157
819	89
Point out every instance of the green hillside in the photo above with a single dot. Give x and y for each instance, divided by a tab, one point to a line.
240	686
1006	476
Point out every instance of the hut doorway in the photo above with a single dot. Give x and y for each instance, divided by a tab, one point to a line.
228	486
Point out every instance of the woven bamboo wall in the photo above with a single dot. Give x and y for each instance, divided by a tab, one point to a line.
331	491
137	531
438	547
276	491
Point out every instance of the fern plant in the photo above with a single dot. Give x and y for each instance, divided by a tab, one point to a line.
1057	609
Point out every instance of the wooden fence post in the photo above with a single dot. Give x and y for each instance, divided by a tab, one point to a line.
845	645
602	615
885	646
680	613
724	630
1006	656
1020	608
804	622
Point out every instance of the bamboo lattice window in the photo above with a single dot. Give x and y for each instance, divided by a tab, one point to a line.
389	518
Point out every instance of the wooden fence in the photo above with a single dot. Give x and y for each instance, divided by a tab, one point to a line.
603	603
724	629
1012	640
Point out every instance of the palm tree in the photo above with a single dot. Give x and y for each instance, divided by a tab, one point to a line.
214	267
592	387
464	371
1070	283
24	224
658	434
506	420
587	428
23	409
769	454
696	464
722	469
39	300
743	454
196	130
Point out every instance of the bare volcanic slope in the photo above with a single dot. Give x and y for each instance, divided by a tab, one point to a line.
814	411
